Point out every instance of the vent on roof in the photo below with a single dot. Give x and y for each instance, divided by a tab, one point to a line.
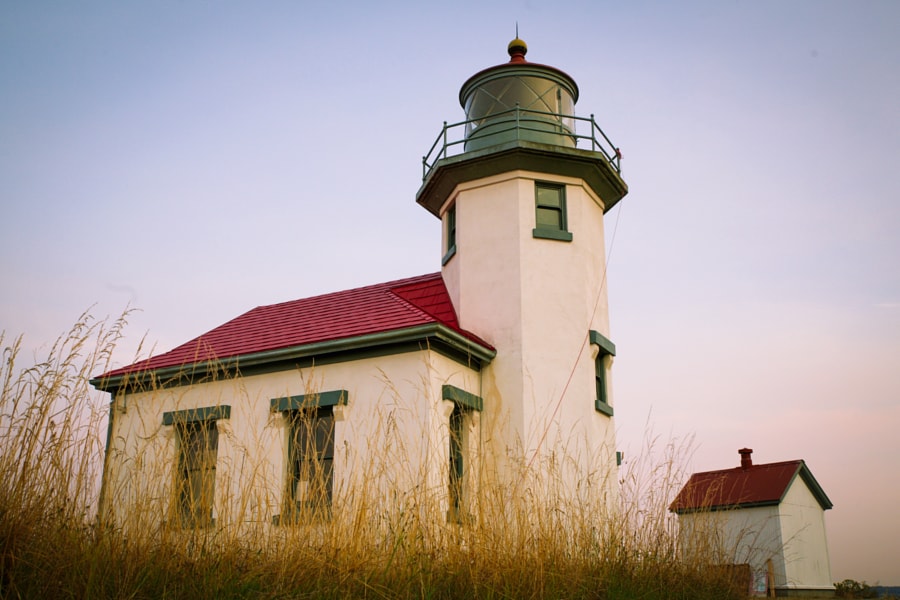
746	461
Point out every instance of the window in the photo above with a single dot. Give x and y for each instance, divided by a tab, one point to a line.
309	476
198	449
460	423
457	459
199	442
550	212
310	461
450	224
605	348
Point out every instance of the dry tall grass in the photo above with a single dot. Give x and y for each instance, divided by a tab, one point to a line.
55	544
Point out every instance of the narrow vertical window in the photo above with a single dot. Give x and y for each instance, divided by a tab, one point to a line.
311	462
604	348
450	224
457	464
600	377
459	483
550	212
199	445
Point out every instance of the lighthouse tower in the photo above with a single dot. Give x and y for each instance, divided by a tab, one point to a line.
521	187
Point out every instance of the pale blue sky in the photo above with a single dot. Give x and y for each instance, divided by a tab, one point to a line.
197	159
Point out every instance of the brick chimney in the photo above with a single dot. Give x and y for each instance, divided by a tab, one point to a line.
746	461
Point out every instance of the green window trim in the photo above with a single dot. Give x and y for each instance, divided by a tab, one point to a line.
602	407
551	234
550	218
606	348
462	397
193	415
319	400
450	254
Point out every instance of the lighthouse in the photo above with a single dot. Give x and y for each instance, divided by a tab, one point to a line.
452	391
521	187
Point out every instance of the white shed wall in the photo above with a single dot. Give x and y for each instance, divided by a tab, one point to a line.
807	564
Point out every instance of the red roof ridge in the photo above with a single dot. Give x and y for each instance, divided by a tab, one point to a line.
752	467
371	286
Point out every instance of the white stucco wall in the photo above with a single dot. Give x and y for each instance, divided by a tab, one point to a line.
535	301
391	443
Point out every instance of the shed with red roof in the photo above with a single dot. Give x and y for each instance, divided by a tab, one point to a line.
770	516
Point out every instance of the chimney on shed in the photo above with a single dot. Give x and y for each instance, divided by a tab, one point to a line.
746	461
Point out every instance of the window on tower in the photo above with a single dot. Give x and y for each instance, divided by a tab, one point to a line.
605	348
550	212
449	234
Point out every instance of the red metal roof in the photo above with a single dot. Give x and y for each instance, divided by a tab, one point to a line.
367	310
756	485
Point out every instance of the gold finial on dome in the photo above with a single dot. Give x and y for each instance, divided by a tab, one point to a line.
517	49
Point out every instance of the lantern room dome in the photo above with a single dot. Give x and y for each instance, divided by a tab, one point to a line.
519	100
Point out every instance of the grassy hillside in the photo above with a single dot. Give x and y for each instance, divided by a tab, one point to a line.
53	543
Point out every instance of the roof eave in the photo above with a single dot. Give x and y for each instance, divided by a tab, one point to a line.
720	507
814	487
478	353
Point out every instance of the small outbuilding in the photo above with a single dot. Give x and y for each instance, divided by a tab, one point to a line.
770	517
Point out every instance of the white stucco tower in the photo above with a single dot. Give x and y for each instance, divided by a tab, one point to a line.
522	186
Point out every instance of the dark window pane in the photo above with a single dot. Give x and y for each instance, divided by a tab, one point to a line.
548	218
199	446
311	455
451	227
549	196
456	467
600	375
